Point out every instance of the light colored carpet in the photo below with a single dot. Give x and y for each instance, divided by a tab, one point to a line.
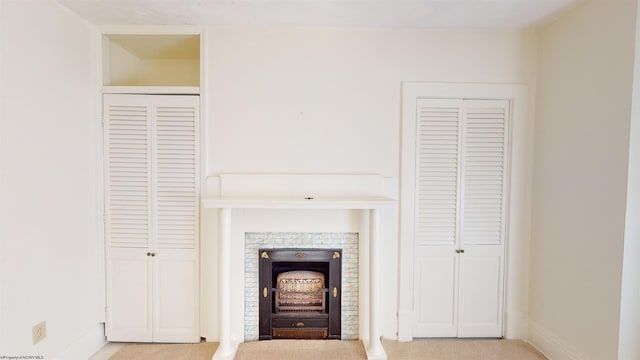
201	351
338	350
301	349
459	349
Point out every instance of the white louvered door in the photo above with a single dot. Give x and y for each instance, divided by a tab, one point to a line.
151	183
482	217
437	183
127	128
461	172
176	204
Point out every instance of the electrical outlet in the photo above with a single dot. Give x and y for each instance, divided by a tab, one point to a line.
39	332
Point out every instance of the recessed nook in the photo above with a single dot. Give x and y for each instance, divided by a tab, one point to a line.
151	60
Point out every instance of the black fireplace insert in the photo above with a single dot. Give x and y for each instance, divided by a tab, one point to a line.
300	293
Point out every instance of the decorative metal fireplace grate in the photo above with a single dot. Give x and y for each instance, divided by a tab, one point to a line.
300	293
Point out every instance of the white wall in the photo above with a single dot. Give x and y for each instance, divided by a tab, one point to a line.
279	100
49	207
580	176
628	344
328	100
318	101
299	100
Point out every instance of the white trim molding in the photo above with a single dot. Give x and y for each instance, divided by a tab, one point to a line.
519	201
556	348
85	346
151	29
163	90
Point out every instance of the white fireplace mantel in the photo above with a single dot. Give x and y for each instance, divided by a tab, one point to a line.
355	201
299	202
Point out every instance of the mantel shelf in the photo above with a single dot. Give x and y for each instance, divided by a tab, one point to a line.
300	202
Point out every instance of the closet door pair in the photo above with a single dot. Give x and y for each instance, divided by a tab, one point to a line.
461	198
152	217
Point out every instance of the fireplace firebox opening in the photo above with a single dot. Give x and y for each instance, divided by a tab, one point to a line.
300	293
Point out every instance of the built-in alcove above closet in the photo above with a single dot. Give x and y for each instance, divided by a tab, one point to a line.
151	60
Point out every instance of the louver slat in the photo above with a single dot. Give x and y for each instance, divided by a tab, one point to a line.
483	174
176	201
127	148
437	172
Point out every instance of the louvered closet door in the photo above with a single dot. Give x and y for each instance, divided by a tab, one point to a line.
436	233
176	204
128	201
460	207
482	217
152	189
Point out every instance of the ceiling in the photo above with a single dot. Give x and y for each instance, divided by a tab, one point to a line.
445	14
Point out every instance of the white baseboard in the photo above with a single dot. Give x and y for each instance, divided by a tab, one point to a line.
381	355
405	326
85	346
228	353
551	345
516	325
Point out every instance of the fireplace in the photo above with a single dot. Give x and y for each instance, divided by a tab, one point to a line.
347	243
300	293
346	202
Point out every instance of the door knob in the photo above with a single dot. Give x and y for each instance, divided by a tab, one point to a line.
459	251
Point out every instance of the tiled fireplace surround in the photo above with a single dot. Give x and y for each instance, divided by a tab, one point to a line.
361	270
348	242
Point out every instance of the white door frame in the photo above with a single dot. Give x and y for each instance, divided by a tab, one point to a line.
519	211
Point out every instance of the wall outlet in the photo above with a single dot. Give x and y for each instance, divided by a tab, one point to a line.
39	332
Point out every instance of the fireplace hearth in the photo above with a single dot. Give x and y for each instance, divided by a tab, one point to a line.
300	293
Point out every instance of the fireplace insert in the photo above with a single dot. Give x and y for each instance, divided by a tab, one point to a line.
300	293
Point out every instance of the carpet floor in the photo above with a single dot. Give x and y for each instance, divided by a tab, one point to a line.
203	350
337	350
